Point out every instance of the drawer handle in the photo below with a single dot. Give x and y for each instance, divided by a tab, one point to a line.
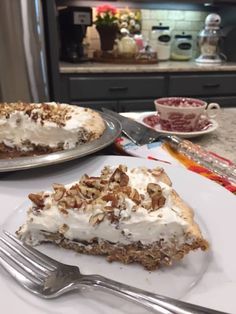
211	85
118	89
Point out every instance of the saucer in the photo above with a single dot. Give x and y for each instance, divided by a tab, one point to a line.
205	125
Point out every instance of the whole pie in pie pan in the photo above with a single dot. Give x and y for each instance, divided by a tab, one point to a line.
28	129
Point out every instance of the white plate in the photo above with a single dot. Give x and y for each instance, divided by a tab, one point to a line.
214	125
215	210
153	151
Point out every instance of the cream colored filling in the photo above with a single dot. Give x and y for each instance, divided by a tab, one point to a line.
140	225
19	129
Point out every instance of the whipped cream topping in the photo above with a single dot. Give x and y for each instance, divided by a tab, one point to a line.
134	225
67	129
19	129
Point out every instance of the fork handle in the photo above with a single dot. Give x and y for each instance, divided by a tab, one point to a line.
161	304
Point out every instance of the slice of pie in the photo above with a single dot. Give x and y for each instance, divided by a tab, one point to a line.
30	128
128	215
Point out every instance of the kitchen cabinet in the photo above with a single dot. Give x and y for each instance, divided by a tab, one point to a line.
119	106
136	105
202	85
98	105
137	91
130	90
123	90
115	87
116	92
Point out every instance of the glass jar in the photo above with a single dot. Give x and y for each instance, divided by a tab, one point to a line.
161	41
182	47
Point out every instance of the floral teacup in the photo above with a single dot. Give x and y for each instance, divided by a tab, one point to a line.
183	114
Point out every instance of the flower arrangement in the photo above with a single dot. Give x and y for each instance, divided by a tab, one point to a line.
107	26
106	16
130	20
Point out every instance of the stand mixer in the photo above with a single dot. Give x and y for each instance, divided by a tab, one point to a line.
208	41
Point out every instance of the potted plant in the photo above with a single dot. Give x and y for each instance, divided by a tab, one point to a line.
107	26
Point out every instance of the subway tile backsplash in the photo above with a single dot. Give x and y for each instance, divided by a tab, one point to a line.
190	22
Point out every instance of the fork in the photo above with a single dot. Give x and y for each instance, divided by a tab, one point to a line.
49	279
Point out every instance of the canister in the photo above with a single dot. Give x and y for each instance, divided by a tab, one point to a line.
161	41
182	47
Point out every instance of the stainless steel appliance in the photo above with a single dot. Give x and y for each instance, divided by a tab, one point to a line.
209	41
23	74
73	23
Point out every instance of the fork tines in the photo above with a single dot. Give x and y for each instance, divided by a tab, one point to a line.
22	261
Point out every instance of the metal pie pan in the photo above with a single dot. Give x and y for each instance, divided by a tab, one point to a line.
112	131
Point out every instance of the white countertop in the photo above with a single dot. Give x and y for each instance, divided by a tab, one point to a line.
223	140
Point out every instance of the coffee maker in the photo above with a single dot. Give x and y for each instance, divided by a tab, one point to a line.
73	23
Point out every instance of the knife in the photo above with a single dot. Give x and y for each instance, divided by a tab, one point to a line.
140	134
135	131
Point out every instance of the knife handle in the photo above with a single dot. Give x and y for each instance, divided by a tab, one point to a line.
195	152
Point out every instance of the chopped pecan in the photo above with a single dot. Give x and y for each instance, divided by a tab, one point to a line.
134	208
147	204
123	168
155	192
130	192
96	219
90	193
78	202
135	197
63	210
153	189
74	190
106	171
112	217
63	228
142	196
62	207
58	195
108	208
158	201
91	183
123	189
70	201
111	197
156	172
37	199
95	182
120	177
58	186
83	178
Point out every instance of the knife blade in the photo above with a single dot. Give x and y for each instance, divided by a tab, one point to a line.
135	131
141	134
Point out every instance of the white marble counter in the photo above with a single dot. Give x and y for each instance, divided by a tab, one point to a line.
168	66
223	140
